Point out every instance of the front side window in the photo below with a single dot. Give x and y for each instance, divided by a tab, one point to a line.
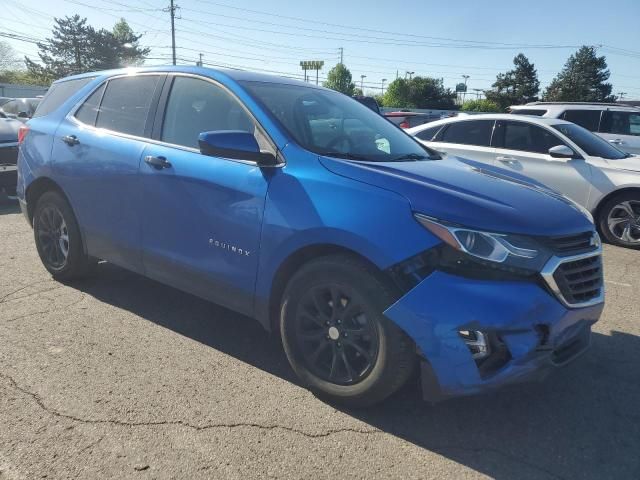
196	106
59	93
428	133
126	102
529	138
592	144
330	123
621	123
589	119
469	132
11	107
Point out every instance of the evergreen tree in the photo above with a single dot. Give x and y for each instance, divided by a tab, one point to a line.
517	86
583	79
419	92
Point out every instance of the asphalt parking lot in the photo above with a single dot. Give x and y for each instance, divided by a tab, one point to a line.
120	377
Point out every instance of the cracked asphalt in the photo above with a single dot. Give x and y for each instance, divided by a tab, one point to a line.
117	376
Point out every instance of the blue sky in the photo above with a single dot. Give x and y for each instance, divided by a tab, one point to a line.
435	38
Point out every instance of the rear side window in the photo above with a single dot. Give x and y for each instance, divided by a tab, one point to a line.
428	133
196	106
529	138
621	123
589	119
471	132
58	94
88	112
126	103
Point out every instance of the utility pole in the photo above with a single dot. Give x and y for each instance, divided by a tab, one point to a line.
172	11
383	80
341	54
621	96
199	62
362	77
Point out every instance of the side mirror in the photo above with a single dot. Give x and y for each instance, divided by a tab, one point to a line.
561	151
23	115
236	144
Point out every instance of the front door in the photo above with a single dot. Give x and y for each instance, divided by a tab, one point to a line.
524	148
202	215
622	129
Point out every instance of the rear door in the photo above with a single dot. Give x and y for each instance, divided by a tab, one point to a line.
467	139
96	153
524	148
622	129
202	215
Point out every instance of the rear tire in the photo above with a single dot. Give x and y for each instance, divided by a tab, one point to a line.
619	220
58	238
336	337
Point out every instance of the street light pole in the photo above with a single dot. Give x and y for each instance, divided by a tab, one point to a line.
464	94
410	75
362	77
383	80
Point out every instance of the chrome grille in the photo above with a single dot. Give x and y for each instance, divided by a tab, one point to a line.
577	280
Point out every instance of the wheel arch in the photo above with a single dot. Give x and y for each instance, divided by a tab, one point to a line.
35	190
293	263
602	201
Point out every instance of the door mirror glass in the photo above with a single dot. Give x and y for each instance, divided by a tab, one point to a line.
236	144
561	151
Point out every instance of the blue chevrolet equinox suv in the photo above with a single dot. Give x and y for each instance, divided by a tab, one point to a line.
367	252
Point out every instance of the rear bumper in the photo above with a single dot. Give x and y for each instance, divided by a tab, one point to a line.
535	330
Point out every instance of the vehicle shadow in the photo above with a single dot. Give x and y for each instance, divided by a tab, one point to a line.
8	207
582	422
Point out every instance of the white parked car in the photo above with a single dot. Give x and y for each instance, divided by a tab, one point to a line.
557	153
618	124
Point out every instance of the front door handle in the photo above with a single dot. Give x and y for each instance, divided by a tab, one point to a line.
70	140
157	162
507	160
616	141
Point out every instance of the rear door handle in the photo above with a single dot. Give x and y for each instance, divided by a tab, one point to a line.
507	160
157	162
617	141
70	140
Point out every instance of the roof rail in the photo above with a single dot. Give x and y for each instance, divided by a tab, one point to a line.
578	103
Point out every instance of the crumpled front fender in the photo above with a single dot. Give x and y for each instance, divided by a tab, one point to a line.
435	310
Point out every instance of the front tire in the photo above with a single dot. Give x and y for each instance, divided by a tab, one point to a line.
58	238
336	337
619	220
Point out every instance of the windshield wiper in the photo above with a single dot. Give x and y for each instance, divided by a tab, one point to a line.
347	155
412	156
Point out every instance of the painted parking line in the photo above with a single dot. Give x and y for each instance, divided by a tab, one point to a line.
618	283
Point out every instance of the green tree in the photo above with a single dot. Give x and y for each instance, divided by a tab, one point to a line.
480	105
76	47
339	78
517	86
8	58
583	79
419	92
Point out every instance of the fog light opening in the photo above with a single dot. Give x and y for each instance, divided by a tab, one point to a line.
476	342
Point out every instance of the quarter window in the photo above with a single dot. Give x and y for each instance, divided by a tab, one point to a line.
126	102
621	123
589	119
197	106
529	138
470	132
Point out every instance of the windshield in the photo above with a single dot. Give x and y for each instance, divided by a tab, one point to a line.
330	123
592	144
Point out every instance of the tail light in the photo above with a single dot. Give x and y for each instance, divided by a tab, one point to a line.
22	133
404	124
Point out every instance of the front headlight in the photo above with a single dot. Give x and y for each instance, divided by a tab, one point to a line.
493	247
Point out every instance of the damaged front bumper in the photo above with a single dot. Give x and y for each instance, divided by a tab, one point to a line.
529	332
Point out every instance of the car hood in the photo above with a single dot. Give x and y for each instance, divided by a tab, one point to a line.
9	130
631	164
471	194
